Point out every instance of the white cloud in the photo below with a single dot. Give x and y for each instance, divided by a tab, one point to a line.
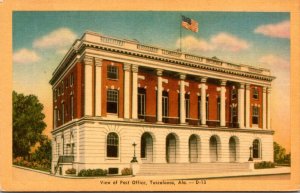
222	41
25	56
277	30
225	41
274	62
58	38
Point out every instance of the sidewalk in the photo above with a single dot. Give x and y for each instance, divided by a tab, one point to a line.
257	172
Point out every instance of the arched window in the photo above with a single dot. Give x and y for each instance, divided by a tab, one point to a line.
256	149
112	147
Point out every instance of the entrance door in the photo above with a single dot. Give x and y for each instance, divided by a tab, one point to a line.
147	148
232	150
193	149
213	148
171	148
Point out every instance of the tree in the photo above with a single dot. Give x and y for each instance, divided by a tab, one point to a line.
43	152
280	156
28	123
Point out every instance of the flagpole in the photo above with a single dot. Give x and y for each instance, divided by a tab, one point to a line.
180	33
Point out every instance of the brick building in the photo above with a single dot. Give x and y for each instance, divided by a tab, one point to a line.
177	107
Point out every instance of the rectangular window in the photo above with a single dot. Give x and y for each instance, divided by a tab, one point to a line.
72	106
71	80
62	87
187	106
255	115
233	114
112	72
63	113
165	105
199	107
112	101
207	107
58	115
55	94
218	108
58	148
233	94
141	103
255	94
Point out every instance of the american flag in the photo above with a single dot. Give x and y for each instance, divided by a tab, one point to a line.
189	24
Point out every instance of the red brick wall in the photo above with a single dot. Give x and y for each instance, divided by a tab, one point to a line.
258	102
77	72
119	83
151	82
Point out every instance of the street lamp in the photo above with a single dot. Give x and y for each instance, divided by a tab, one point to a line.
134	157
250	157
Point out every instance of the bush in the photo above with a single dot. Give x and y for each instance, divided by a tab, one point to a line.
264	164
92	172
126	171
40	165
71	171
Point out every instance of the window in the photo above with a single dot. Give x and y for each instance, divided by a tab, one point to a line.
62	87
63	113
256	149
72	106
233	94
55	94
112	101
218	108
187	106
165	105
71	80
141	103
255	115
207	107
233	114
112	145
112	72
255	93
199	107
58	114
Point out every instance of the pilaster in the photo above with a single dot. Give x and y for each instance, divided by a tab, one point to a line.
247	106
98	86
126	69
88	85
222	110
159	73
182	99
241	103
264	108
203	100
269	108
134	101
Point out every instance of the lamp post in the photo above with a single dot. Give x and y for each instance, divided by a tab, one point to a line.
250	157
134	157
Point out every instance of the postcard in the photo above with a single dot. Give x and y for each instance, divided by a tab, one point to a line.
149	95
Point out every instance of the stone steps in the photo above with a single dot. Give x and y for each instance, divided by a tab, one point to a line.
191	168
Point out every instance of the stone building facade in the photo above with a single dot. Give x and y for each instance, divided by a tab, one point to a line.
176	107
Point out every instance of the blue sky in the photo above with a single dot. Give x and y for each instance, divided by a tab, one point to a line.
40	40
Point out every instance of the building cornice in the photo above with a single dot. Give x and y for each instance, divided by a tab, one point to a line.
99	120
135	49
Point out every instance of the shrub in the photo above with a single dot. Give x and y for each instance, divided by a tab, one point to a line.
126	171
71	171
92	172
264	164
